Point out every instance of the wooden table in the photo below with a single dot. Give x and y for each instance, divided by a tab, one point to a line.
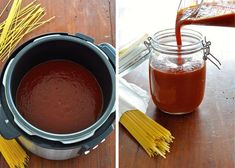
204	138
96	19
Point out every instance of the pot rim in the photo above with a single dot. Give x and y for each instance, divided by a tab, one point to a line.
32	130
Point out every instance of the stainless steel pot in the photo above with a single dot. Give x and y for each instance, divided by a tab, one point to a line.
99	59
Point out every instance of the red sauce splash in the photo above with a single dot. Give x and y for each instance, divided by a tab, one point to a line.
59	97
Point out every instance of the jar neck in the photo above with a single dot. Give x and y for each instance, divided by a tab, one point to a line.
165	42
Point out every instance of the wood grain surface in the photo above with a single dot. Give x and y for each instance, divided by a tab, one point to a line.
204	138
95	18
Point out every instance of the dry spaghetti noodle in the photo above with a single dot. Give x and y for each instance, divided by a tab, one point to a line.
19	23
13	153
153	137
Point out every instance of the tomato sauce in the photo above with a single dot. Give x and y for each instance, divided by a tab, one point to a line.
210	14
177	91
59	96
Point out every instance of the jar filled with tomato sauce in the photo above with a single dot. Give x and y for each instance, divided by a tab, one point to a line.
177	73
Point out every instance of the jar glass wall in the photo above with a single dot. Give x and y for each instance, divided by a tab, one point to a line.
177	73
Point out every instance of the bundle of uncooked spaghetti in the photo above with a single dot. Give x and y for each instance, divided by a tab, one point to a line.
153	137
19	22
13	153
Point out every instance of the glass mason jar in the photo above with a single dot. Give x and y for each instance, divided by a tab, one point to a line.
177	73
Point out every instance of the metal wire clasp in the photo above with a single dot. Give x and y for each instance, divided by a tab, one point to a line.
206	53
148	44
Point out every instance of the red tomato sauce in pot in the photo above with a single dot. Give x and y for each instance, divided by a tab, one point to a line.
59	96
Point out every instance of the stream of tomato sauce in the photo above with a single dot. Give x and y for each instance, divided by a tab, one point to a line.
59	96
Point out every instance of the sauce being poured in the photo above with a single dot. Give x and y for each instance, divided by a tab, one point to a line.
211	14
179	90
59	97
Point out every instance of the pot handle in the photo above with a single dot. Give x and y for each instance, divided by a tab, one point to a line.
85	37
103	133
7	130
110	51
